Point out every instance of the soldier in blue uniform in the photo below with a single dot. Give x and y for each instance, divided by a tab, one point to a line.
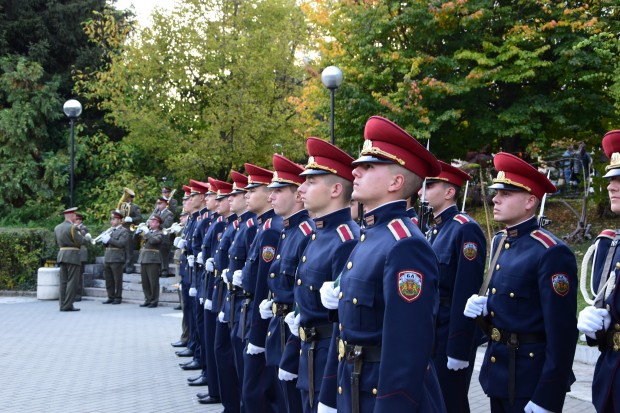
326	194
282	348
461	248
388	294
601	320
529	313
259	382
230	390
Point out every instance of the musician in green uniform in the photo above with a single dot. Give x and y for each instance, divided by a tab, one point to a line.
115	239
150	262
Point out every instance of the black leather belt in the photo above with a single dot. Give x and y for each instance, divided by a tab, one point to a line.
310	334
357	355
281	309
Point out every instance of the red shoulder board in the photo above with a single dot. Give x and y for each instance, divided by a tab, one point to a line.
236	224
543	238
345	233
305	228
463	219
220	218
607	233
398	229
267	224
250	223
415	221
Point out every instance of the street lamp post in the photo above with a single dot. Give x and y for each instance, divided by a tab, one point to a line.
332	79
73	110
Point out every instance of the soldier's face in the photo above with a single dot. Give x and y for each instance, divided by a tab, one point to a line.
513	207
283	200
223	206
197	200
370	184
613	189
211	202
237	203
316	194
257	199
153	224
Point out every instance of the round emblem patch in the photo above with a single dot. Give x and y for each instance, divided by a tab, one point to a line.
268	253
560	284
410	285
470	250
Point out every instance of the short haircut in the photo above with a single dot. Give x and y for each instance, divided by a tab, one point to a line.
347	186
413	182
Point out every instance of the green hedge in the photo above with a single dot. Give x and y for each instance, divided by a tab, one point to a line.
22	252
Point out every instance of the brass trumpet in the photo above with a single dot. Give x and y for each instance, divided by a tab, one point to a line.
141	228
174	228
107	231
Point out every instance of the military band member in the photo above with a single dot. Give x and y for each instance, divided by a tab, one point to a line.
259	387
531	303
132	217
388	291
326	194
166	193
114	259
282	348
69	240
460	246
150	262
601	321
162	209
79	222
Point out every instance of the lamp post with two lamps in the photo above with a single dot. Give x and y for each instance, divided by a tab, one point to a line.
332	79
73	110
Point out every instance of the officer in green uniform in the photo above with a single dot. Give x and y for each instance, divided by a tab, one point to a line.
69	240
115	240
150	262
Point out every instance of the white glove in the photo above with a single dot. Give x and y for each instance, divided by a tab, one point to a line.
323	408
199	258
208	304
193	292
225	275
454	364
105	238
253	350
264	308
128	219
139	230
285	375
210	265
293	323
476	305
592	319
329	295
191	260
88	237
532	407
237	279
181	244
220	317
201	300
176	241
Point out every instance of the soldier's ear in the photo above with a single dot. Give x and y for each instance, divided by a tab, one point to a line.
397	183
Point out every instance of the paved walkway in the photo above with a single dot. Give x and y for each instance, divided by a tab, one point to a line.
118	358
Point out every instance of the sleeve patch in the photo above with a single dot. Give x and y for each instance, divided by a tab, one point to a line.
268	253
470	250
398	229
607	233
409	285
462	219
560	284
543	238
305	228
345	233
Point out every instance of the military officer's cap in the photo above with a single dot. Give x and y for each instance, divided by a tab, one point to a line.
386	142
162	199
70	210
450	174
514	174
257	176
223	188
187	191
286	173
611	146
116	214
198	187
184	213
79	216
326	158
166	189
212	190
157	218
240	181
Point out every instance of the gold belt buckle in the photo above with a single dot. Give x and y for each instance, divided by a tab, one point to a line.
274	308
495	334
302	333
341	350
616	339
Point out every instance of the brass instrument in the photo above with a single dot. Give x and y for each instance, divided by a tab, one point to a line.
177	227
140	229
107	231
122	203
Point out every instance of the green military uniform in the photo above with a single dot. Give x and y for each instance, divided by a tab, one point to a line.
114	262
131	210
69	240
150	267
79	286
168	219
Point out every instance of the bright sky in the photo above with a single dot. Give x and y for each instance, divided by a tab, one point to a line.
143	8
